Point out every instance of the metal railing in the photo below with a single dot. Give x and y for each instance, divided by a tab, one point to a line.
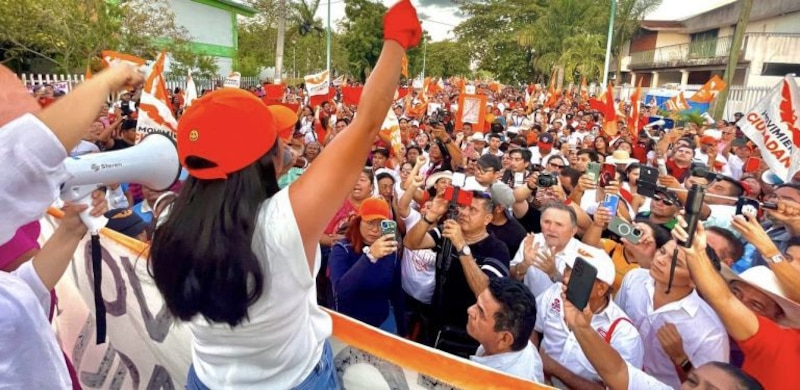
700	52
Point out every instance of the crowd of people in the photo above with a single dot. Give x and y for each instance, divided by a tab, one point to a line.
462	236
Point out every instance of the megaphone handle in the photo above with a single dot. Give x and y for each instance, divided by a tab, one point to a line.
92	223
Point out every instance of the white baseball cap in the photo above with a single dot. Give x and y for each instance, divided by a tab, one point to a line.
606	272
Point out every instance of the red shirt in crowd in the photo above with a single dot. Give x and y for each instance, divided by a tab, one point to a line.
674	170
772	355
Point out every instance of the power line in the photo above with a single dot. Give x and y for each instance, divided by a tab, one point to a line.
437	22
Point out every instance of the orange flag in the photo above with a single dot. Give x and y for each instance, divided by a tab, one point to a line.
88	74
112	57
584	90
677	103
404	66
633	119
709	90
610	113
552	97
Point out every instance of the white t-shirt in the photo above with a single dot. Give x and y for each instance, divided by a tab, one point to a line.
32	160
704	338
283	340
31	357
525	363
418	267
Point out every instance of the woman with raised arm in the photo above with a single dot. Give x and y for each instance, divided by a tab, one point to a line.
237	257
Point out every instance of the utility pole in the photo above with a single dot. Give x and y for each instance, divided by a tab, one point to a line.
328	42
281	37
733	57
609	39
424	55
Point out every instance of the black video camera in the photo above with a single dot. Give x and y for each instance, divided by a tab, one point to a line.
546	180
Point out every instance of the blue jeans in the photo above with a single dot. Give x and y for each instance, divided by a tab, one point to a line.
322	377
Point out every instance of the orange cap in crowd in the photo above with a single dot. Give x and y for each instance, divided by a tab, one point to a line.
374	208
230	127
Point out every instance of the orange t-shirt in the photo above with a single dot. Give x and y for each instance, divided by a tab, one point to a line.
772	355
617	253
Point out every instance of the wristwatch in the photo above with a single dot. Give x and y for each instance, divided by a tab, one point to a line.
777	259
686	365
369	255
465	251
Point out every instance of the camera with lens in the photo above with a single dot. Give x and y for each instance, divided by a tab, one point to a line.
436	117
546	180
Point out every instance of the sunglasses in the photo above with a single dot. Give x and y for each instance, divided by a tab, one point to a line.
556	166
665	201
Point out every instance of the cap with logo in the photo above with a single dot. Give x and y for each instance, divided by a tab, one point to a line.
230	127
606	272
545	139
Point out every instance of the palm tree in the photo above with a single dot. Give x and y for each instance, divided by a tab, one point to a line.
301	14
583	55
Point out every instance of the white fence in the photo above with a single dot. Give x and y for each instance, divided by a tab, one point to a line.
60	82
66	82
741	99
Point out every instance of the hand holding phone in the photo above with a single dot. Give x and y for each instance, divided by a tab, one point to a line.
625	230
607	174
581	282
593	170
388	227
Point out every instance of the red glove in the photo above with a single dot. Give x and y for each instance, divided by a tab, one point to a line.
401	25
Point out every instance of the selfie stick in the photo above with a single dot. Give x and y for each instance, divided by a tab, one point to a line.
763	205
694	203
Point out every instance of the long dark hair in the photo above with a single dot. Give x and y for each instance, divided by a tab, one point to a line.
201	257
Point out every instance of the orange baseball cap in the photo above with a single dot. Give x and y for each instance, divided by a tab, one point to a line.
285	119
374	208
230	127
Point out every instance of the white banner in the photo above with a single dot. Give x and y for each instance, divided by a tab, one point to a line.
148	349
774	127
318	84
234	80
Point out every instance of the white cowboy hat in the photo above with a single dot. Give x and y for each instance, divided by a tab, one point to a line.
621	157
432	179
762	278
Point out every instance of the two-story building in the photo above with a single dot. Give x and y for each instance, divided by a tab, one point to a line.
213	27
688	52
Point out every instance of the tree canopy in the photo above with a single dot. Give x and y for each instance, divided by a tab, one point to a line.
69	34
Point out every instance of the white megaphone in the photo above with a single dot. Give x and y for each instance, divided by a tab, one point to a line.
153	162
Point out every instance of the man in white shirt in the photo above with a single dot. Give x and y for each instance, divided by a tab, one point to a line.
563	358
738	158
619	374
543	149
679	312
502	321
542	257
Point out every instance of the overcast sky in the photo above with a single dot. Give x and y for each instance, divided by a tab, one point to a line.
439	17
